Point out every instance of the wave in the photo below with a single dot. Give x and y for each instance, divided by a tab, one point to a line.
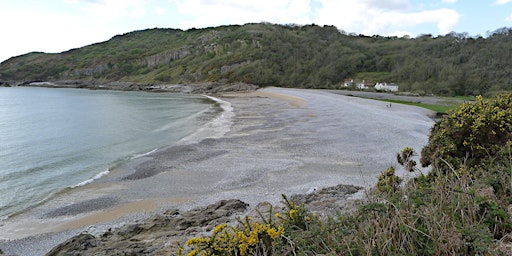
183	120
96	177
217	127
144	154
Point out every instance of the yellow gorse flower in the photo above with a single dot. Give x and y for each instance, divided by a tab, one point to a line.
192	253
198	240
293	213
245	239
274	233
219	228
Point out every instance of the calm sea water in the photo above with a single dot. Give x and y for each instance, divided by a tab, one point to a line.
53	139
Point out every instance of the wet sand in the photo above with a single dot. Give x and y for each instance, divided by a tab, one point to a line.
282	141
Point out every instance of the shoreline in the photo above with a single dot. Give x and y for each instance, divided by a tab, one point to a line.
137	146
283	141
194	88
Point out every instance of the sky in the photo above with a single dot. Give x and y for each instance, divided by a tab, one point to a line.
59	25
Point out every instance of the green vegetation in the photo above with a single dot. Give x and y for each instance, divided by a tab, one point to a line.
434	107
461	207
374	77
465	98
474	135
266	54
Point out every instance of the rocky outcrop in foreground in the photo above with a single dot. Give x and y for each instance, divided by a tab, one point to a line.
165	233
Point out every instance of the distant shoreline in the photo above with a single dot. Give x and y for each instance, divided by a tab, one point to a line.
216	89
196	88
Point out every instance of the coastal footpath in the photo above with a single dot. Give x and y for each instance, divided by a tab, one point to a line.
280	141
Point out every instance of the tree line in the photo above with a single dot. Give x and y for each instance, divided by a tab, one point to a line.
265	54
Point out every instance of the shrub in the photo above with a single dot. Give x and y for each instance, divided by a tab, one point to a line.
250	238
404	158
388	182
471	135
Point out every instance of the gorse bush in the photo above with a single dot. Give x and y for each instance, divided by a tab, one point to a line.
250	238
474	134
265	237
388	182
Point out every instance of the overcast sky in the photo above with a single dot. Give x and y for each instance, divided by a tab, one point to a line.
60	25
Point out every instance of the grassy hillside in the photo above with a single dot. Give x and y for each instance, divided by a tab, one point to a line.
282	55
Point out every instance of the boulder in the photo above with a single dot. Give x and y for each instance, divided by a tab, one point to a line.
76	245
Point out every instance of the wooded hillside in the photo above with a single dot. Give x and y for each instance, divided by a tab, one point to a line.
282	55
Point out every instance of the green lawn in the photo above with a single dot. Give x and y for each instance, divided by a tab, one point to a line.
466	98
436	108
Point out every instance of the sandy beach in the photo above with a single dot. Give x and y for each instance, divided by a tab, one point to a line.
281	141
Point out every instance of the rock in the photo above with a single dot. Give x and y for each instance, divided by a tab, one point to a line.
221	88
199	88
164	58
160	235
5	84
165	233
76	245
238	87
312	190
329	201
212	214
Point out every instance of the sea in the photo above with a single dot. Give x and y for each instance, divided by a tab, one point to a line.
54	139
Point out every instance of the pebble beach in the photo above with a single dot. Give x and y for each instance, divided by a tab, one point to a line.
280	141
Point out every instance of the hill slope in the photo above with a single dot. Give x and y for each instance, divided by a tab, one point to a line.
284	55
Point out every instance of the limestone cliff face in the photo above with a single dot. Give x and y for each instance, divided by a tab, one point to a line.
165	57
212	48
208	37
95	70
228	68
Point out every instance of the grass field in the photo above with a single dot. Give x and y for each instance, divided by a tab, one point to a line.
440	109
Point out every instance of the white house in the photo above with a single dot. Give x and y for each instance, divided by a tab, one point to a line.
358	85
392	87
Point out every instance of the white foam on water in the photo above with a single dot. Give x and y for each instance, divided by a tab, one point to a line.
144	154
96	177
216	128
